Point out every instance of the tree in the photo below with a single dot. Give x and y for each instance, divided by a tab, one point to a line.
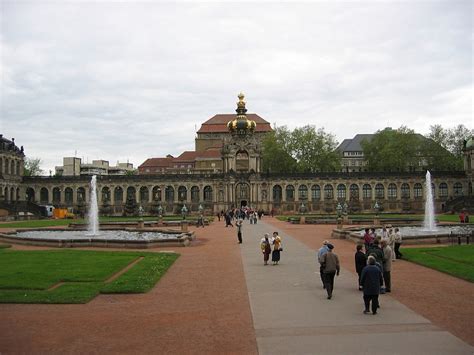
276	153
314	150
450	138
404	150
32	167
305	149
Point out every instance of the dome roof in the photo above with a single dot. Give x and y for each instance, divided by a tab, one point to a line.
241	125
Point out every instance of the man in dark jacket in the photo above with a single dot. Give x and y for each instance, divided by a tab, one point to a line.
371	280
331	268
360	262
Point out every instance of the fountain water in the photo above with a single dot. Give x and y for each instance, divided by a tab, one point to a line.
429	222
93	228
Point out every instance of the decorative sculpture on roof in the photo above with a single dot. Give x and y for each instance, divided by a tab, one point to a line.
241	125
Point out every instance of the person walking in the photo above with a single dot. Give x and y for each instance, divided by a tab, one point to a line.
378	254
331	268
360	262
398	242
266	248
276	248
368	239
238	224
371	280
323	250
387	265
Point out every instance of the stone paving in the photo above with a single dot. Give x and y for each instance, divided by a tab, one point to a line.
292	315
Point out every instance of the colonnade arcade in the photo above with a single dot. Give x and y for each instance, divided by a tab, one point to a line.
228	191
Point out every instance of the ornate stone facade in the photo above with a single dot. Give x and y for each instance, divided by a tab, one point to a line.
242	183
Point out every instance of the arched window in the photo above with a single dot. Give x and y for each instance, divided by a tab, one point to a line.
56	195
328	192
315	193
105	194
18	168
118	195
68	193
169	194
1	166
379	191
457	189
81	194
157	193
405	189
12	167
30	194
433	190
12	193
7	166
131	193
290	193
144	195
367	191
182	193
195	194
44	195
418	190
443	190
207	194
341	191
392	191
303	192
277	193
354	191
5	194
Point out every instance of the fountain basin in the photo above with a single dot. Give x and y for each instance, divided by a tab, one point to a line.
412	234
130	238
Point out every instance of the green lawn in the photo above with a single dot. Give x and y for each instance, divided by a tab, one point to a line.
26	276
454	260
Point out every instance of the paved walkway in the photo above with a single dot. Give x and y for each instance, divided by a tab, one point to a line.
292	315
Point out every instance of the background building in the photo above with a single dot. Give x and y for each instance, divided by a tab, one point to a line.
74	167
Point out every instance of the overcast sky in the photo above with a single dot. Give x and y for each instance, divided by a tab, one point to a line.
130	81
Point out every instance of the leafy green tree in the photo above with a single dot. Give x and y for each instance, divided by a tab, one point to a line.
450	138
276	156
314	150
32	167
404	150
304	149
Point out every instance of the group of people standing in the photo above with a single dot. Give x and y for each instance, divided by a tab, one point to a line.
372	266
271	246
391	236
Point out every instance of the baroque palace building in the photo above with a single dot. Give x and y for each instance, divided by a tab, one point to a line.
225	171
